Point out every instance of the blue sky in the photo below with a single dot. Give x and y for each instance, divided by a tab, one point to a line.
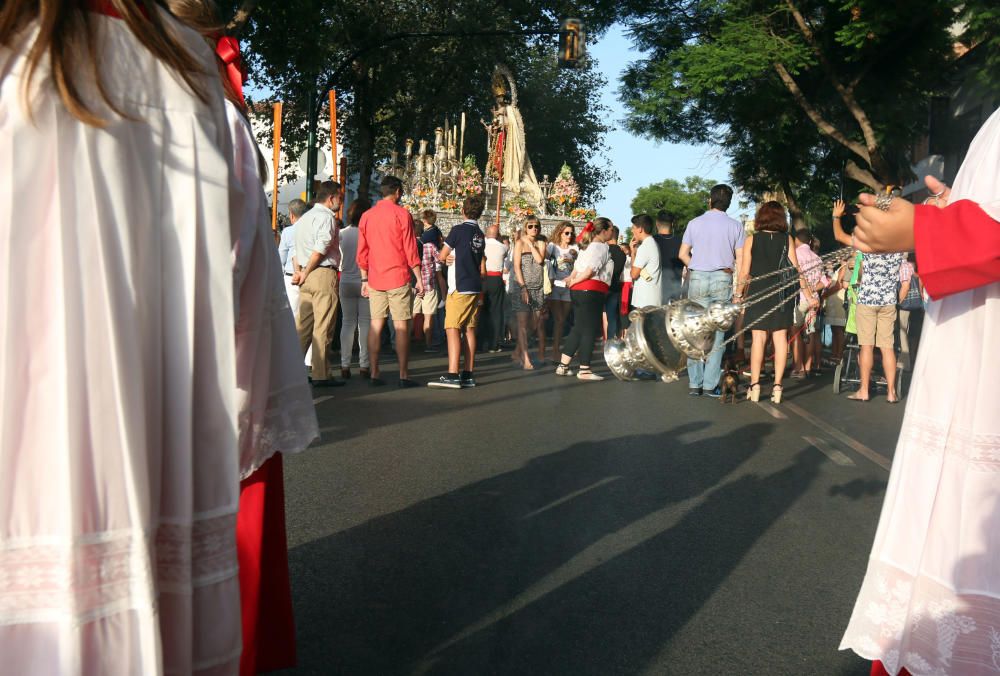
640	161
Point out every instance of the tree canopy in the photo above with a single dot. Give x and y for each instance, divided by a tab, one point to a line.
685	200
792	89
405	88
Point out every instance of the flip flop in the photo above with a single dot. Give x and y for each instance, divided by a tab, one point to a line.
855	397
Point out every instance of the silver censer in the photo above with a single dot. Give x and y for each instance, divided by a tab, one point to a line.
661	339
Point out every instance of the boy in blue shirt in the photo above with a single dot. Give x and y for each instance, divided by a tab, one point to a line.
464	252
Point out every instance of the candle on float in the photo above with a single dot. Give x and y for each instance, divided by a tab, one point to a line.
409	148
461	142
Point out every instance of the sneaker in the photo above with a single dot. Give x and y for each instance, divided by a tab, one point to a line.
694	392
466	379
406	382
448	381
716	393
495	350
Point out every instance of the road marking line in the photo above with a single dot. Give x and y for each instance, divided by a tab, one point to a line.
320	400
874	456
829	451
774	413
567	498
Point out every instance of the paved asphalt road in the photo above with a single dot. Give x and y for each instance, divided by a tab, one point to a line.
543	525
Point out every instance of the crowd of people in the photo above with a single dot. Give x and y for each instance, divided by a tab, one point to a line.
552	299
150	382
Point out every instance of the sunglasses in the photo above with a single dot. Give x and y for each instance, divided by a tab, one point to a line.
531	227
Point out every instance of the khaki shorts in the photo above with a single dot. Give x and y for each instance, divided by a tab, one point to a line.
427	304
461	310
398	302
876	325
833	309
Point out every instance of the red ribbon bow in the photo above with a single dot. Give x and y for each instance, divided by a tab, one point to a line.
228	49
587	228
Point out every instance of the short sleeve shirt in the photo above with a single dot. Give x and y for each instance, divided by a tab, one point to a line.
468	242
646	288
714	238
880	279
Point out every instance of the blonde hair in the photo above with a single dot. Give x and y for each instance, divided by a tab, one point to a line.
67	40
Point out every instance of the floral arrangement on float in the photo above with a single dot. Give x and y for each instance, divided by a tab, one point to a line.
450	205
420	198
469	180
565	192
518	209
582	214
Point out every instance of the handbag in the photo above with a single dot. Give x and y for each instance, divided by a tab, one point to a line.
913	300
788	273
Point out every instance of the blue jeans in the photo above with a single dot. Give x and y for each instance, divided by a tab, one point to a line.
703	288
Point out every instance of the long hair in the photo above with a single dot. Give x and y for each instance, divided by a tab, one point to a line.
67	41
558	231
595	228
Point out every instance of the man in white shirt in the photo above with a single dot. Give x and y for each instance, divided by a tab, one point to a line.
316	262
645	271
286	250
493	289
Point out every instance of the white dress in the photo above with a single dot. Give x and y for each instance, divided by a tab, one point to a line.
119	476
930	601
274	401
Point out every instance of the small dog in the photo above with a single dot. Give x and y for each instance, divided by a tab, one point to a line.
730	382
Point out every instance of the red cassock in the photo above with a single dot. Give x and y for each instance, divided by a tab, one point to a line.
958	247
265	591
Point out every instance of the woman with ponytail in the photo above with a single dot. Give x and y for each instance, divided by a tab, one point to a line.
588	284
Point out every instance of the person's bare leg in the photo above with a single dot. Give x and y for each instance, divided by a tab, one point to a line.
757	345
375	343
469	348
889	366
797	353
454	348
780	354
403	347
522	339
837	348
866	359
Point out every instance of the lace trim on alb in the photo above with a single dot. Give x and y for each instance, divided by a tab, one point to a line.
933	438
286	424
47	579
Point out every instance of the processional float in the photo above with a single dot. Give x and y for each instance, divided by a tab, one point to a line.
661	339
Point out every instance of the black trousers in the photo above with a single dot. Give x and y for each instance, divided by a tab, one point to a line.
491	320
588	308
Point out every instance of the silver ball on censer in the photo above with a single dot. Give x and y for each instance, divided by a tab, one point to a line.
662	338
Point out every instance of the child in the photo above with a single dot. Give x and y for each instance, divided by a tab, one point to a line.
465	247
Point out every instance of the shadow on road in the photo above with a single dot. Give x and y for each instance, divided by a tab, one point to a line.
585	561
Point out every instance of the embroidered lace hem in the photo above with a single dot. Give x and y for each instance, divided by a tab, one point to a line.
916	623
47	579
287	424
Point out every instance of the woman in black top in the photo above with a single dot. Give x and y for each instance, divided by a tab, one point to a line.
764	252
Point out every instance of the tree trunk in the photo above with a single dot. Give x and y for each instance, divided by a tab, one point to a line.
794	210
241	18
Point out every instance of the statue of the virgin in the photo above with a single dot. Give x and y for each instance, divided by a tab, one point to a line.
506	138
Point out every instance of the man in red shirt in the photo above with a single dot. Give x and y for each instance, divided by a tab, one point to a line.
389	261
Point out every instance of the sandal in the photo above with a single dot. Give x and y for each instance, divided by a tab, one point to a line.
776	391
753	392
564	370
586	374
